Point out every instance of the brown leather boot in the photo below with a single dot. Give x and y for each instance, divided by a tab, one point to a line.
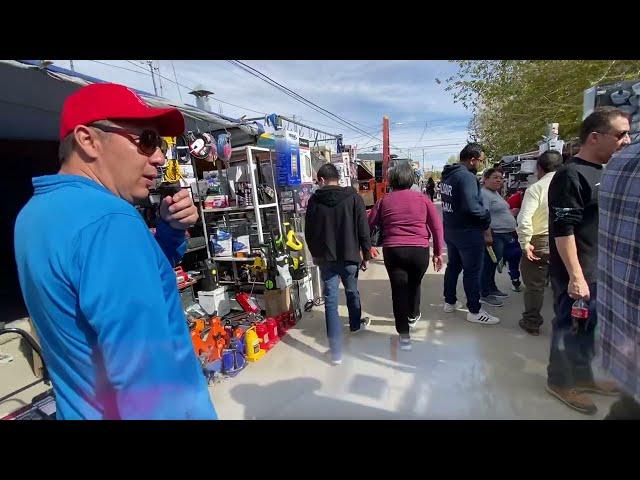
573	398
599	387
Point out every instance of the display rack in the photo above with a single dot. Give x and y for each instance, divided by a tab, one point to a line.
257	208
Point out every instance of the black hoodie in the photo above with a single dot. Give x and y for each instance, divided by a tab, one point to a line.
336	228
462	206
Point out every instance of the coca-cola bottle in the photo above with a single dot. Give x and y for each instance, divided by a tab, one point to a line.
579	314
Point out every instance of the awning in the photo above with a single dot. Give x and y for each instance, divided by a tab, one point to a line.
31	99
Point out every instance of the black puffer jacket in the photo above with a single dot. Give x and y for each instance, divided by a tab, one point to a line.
336	227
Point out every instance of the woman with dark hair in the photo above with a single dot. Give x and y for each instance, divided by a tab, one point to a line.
407	219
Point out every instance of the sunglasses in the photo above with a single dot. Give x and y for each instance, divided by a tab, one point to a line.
618	135
147	142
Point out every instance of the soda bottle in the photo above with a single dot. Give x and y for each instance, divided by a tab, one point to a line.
579	314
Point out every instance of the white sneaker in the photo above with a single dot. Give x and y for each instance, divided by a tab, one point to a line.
405	343
482	317
413	321
448	308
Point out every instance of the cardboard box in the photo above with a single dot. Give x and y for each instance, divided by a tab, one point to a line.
277	301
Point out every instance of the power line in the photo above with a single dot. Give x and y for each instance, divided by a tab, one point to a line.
177	83
296	96
121	67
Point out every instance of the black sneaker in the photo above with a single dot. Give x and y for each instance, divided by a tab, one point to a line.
515	286
530	329
414	321
491	301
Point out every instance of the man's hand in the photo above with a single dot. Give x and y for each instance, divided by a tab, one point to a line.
179	211
364	265
488	238
578	288
528	251
437	262
374	252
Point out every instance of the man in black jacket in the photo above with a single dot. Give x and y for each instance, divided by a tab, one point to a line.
337	234
466	231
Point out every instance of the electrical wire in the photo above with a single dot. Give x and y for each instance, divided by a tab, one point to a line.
298	97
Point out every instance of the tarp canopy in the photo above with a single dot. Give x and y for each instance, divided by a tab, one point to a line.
31	99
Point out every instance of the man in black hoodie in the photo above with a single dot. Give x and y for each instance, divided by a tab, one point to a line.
337	234
466	223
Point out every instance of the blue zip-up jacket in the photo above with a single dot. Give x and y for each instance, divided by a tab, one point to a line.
102	295
462	206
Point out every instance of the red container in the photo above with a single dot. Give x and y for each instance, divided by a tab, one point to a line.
283	325
272	328
247	302
263	335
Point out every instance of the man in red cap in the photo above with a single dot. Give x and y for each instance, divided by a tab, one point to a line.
99	288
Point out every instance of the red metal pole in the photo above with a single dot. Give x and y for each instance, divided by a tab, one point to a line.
386	153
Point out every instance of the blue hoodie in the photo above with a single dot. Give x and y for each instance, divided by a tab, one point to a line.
102	295
462	207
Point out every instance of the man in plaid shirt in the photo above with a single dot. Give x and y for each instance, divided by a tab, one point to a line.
619	278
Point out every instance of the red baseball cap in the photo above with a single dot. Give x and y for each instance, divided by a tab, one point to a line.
110	101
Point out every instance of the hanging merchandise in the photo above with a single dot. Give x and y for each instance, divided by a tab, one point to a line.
224	147
169	147
292	240
306	169
200	145
287	157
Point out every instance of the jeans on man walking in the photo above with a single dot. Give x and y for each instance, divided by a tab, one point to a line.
488	276
571	350
464	253
331	272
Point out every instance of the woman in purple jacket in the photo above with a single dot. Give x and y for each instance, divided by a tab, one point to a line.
407	219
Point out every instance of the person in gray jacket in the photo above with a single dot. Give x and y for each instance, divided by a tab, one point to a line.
502	232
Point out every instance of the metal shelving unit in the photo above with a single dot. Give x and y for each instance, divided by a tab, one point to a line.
249	158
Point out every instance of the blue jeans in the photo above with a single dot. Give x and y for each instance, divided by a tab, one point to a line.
513	255
571	351
488	278
348	273
464	254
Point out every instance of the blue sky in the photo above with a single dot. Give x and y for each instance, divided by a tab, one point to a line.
423	116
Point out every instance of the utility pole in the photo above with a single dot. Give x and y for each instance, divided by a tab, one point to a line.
160	79
423	170
153	78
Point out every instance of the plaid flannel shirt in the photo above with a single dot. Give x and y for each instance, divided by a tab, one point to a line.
619	269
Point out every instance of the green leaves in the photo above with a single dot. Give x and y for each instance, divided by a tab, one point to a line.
512	101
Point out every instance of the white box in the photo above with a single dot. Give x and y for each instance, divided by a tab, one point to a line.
215	301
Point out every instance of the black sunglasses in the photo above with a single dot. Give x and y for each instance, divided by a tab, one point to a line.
147	142
618	135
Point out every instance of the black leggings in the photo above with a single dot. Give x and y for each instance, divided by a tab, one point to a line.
406	266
